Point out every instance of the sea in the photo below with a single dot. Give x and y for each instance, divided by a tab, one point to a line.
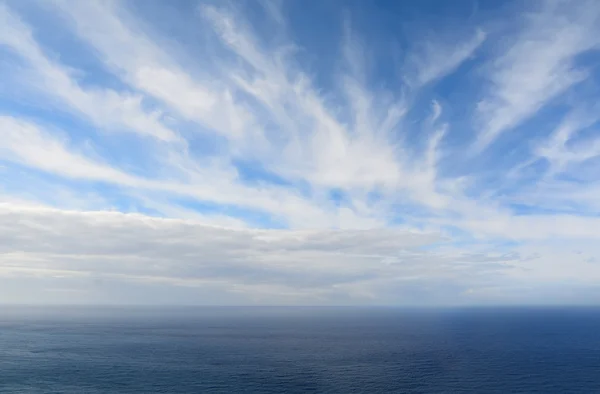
299	350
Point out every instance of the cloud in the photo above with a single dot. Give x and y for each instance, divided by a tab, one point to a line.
538	66
437	60
37	241
559	150
140	62
316	146
536	226
26	144
260	165
105	107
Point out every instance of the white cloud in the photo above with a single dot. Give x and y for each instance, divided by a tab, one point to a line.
559	150
139	61
106	108
31	145
436	109
26	144
43	242
534	226
317	146
436	60
539	65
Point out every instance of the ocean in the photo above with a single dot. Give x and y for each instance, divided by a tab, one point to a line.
299	350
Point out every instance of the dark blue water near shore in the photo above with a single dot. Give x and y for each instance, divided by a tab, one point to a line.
323	350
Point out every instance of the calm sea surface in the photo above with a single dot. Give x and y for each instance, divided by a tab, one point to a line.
298	350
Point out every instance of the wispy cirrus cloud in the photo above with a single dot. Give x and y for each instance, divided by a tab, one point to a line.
436	60
106	108
140	62
540	64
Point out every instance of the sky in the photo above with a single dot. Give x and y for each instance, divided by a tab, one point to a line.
291	152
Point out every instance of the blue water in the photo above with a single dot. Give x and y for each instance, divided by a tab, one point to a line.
297	350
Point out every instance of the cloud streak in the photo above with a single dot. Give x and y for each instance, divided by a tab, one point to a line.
539	65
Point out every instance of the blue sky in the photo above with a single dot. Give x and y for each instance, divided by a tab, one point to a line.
298	152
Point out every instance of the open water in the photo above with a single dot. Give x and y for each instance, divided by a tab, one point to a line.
299	350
